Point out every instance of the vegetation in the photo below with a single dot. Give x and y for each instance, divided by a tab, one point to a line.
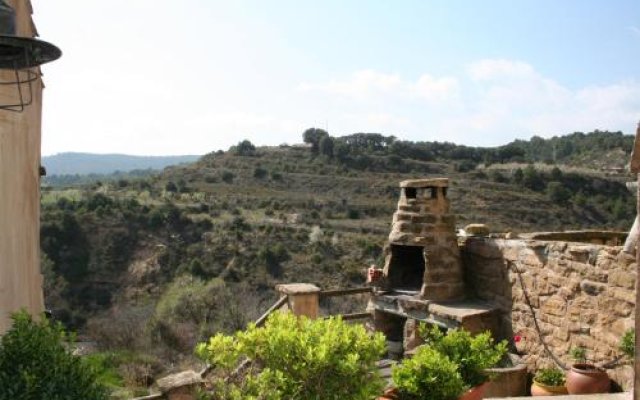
35	364
295	358
579	354
550	377
628	343
428	375
447	364
149	264
472	354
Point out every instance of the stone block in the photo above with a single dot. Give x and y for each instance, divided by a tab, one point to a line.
402	217
620	326
423	219
584	253
479	247
303	298
477	230
592	288
622	279
412	337
180	386
409	208
624	295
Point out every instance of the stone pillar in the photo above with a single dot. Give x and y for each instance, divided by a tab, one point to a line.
181	386
303	298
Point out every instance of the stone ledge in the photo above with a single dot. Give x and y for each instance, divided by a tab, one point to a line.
297	288
474	316
421	183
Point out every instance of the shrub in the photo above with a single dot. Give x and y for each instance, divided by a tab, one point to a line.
428	375
299	358
472	354
260	173
550	377
628	343
34	364
579	354
227	176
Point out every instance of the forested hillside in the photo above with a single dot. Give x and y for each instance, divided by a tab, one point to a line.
147	266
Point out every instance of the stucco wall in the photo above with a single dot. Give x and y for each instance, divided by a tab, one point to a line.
581	294
20	278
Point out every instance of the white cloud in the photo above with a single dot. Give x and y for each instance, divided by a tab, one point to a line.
492	70
363	84
492	103
634	29
437	89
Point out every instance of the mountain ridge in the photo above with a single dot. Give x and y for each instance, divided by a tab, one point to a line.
81	163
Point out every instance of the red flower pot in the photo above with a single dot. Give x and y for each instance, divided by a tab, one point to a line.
475	393
587	378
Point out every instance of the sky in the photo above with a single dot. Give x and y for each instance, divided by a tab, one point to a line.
159	77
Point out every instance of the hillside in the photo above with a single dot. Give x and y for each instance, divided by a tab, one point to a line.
88	163
151	265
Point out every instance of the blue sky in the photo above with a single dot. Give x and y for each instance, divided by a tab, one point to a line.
192	76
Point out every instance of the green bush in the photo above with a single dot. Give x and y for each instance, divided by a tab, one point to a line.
628	343
550	377
579	354
428	375
472	354
35	364
298	358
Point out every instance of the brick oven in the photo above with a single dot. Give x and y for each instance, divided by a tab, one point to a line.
423	271
422	255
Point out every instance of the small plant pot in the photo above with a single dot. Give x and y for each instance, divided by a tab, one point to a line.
540	389
475	393
389	394
587	378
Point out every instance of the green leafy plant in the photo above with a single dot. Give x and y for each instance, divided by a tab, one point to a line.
428	375
579	354
628	343
550	377
35	364
472	354
298	358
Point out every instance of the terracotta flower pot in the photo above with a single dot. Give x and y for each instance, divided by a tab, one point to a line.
475	393
540	389
389	394
587	378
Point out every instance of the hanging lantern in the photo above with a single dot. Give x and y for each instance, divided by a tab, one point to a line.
20	56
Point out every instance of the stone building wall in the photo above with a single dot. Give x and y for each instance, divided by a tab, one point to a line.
582	295
20	278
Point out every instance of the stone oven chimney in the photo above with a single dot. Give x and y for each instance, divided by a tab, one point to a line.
422	255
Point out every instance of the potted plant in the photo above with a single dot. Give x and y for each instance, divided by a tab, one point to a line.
447	367
584	377
474	355
548	382
428	375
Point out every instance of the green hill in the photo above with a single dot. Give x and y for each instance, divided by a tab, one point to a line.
151	265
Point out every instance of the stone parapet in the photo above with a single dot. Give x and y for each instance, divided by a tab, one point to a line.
581	294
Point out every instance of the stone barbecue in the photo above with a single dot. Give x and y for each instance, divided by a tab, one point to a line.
422	254
423	276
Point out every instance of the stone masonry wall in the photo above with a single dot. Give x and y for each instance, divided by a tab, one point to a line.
582	295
